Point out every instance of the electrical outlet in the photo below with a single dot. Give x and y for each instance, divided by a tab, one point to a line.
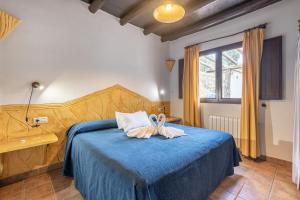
40	120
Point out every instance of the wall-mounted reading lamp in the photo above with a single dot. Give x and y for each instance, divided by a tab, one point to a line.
34	85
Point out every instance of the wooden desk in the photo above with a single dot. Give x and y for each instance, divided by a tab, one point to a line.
175	120
24	143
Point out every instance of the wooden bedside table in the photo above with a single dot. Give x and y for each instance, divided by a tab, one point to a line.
174	120
24	143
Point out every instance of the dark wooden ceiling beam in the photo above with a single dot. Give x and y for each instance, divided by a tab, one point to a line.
190	8
96	5
226	15
138	9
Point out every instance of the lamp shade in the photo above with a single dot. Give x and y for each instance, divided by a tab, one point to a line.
170	64
169	12
7	24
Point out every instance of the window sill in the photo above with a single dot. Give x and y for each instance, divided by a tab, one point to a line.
222	101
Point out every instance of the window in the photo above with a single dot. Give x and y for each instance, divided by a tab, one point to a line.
207	72
220	74
232	61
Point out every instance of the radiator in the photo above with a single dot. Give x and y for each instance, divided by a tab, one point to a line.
227	124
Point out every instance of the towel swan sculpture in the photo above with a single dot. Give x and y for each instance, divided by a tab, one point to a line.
156	127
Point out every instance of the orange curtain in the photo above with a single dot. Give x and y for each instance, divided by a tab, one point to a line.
7	24
191	100
252	53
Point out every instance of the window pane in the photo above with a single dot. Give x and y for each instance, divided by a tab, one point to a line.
207	76
232	61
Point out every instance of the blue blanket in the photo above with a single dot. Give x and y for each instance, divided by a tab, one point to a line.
107	165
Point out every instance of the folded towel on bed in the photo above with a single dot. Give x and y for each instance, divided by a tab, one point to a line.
170	132
142	132
156	127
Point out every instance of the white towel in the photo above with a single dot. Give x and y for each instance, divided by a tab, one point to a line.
142	132
170	132
156	127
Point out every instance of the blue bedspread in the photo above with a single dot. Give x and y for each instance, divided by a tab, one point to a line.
107	165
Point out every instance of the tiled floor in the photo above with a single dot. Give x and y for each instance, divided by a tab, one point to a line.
252	181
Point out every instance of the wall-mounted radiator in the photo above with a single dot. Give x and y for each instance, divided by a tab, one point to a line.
228	124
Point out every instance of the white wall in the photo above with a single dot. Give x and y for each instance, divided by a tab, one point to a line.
73	52
276	120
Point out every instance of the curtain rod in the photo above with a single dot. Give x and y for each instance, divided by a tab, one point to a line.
259	26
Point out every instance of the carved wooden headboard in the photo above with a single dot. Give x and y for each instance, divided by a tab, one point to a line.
98	105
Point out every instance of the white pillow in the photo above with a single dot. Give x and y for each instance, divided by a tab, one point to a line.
129	121
120	119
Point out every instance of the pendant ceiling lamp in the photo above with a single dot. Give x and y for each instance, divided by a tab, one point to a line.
169	12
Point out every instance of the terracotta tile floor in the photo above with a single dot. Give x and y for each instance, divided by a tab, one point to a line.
252	181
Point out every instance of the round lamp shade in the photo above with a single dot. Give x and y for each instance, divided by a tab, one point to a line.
169	13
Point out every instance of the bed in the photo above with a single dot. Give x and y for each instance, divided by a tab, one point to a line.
107	165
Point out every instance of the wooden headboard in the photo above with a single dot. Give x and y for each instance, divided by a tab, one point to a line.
95	106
